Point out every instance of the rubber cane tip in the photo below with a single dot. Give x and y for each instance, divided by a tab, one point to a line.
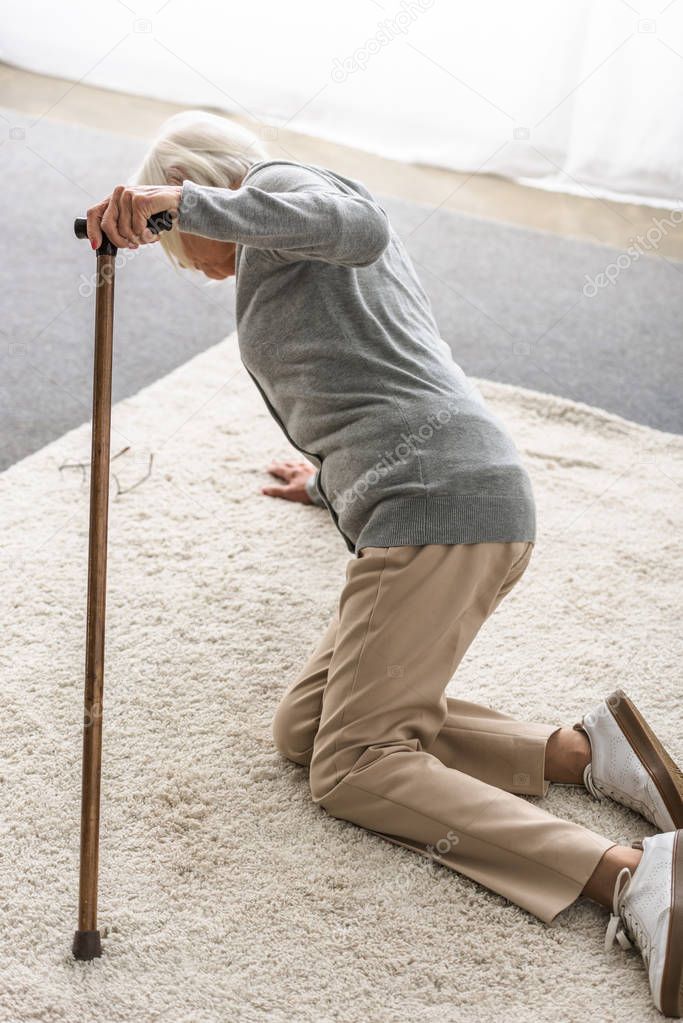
87	945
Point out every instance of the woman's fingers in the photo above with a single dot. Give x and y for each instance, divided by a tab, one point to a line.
288	492
138	222
125	221
122	218
295	476
124	214
288	470
94	218
110	220
281	470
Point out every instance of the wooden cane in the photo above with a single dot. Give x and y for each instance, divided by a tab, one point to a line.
86	942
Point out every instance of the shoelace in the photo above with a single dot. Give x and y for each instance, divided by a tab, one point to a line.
590	785
622	925
619	797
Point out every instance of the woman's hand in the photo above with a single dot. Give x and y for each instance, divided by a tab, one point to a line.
294	475
123	215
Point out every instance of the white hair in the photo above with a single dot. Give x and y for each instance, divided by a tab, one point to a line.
200	147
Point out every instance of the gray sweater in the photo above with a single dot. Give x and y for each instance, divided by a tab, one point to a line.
338	335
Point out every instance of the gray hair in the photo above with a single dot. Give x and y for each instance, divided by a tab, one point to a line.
204	148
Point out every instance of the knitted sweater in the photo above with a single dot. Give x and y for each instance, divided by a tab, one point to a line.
338	335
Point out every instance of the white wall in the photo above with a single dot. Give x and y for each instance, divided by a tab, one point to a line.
578	96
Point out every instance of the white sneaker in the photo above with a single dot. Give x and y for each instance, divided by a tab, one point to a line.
648	913
630	765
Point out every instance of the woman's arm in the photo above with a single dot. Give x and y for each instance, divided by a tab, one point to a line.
310	220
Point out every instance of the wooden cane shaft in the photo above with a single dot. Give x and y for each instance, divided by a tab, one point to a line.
96	600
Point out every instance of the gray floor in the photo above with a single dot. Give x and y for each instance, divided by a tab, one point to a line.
509	302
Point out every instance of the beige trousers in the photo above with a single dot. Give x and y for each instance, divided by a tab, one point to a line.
390	752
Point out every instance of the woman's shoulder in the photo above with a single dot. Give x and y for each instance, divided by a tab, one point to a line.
290	176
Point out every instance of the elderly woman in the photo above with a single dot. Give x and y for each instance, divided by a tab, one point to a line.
428	493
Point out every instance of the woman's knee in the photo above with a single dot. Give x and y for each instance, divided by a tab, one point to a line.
292	737
334	768
330	767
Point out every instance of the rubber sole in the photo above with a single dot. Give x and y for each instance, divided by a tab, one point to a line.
663	770
672	977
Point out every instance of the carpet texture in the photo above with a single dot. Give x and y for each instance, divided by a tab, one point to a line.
225	894
509	302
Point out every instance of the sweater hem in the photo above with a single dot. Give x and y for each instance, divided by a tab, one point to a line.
449	519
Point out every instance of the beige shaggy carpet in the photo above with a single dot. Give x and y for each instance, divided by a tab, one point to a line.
225	894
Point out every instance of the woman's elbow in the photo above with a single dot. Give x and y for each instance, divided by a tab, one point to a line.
362	238
378	237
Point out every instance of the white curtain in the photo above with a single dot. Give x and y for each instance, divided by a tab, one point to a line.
582	96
